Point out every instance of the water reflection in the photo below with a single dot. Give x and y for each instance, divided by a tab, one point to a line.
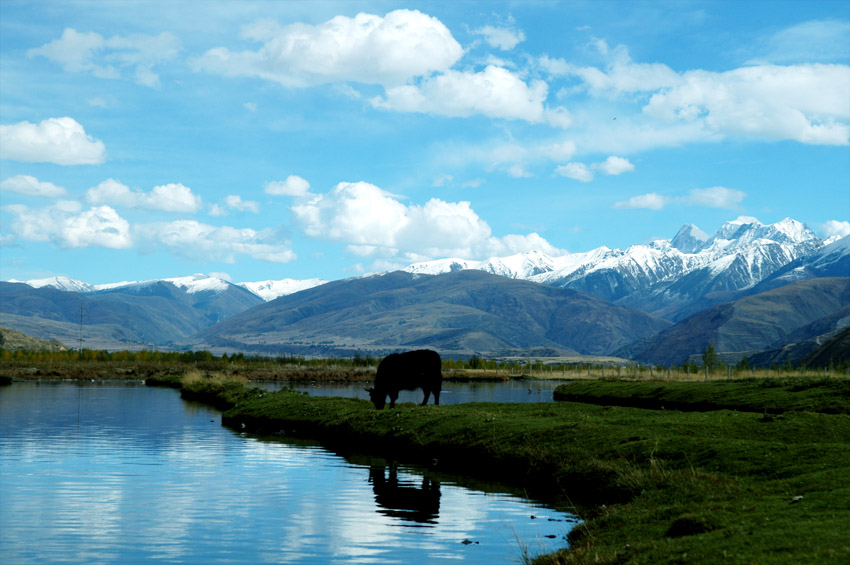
454	392
114	474
404	498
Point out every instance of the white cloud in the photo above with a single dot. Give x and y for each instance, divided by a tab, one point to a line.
367	48
26	184
804	103
500	37
173	197
235	202
196	241
494	92
651	201
292	186
577	171
62	141
373	222
615	166
833	228
714	197
801	102
65	224
108	57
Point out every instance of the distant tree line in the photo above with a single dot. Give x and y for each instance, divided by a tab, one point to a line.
207	360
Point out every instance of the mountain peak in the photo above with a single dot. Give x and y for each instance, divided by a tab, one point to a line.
690	239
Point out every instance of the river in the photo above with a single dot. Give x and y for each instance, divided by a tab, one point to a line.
119	473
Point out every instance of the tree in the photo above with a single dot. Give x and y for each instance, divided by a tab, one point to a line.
709	357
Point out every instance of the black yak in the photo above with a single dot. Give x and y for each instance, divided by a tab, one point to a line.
407	371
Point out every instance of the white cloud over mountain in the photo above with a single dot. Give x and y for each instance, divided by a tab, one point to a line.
198	241
62	141
713	197
376	223
67	225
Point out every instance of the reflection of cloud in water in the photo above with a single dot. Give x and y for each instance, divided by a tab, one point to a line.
175	489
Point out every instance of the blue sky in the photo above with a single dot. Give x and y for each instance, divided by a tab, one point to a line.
270	140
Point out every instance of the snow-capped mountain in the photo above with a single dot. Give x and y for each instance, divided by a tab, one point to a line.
269	290
192	284
664	277
669	278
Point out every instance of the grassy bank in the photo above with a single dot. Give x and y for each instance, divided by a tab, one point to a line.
772	396
652	486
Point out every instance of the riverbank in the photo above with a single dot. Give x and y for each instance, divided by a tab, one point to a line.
651	485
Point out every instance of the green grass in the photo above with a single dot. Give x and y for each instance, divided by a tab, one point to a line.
652	486
829	396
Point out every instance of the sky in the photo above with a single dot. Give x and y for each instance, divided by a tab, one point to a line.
270	140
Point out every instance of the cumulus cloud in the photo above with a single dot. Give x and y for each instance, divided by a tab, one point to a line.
110	57
835	228
613	165
804	103
66	224
29	185
292	186
374	222
500	37
366	48
800	102
714	197
173	197
495	92
62	141
197	241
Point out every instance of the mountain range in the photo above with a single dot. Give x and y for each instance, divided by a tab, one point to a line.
597	302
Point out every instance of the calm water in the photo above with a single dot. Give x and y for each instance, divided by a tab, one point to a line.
517	390
112	473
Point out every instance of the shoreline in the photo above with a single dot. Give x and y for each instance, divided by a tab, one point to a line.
648	485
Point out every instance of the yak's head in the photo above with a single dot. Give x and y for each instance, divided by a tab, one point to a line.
379	400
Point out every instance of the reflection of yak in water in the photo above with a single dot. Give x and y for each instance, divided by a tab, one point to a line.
402	499
407	371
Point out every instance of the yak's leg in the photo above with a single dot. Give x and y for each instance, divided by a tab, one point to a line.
437	397
427	394
393	398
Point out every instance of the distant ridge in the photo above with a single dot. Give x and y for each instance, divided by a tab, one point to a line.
463	313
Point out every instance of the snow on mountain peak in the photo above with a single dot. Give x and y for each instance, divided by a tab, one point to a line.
690	239
269	290
62	283
199	282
